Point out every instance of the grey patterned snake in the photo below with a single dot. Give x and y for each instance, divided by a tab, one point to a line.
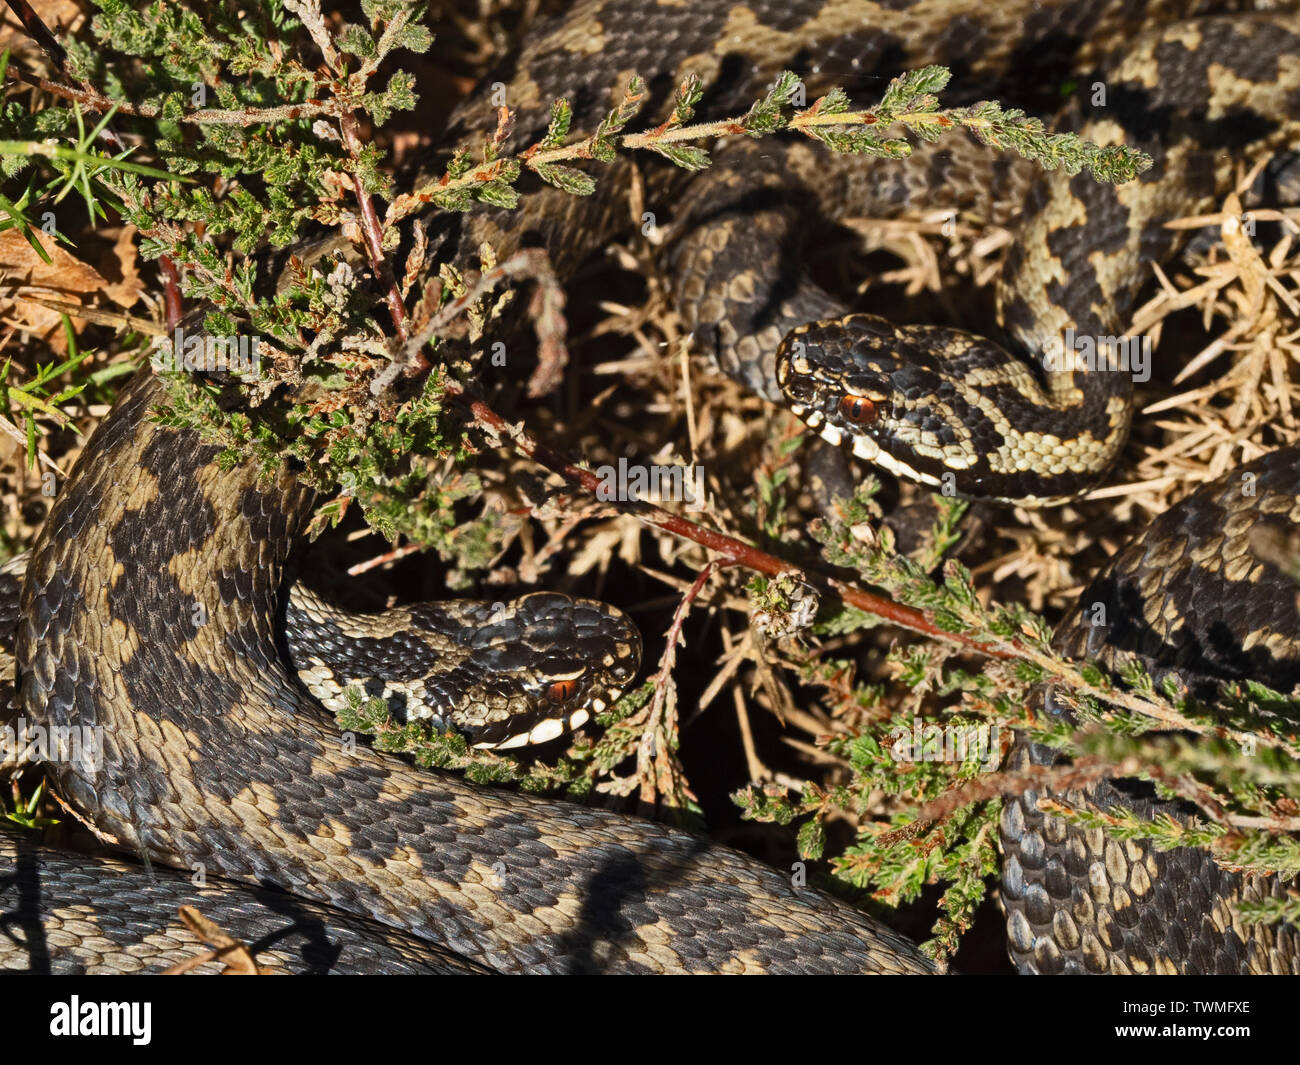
216	757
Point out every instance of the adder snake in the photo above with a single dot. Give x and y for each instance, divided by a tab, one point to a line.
215	756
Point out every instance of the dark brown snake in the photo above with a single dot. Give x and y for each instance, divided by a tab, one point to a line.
216	760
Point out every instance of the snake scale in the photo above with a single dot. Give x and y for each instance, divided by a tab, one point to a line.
217	759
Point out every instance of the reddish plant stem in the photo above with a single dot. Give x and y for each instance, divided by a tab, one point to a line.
373	234
1081	772
93	100
731	549
171	293
394	555
40	33
674	633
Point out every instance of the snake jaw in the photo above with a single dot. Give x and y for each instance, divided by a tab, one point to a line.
579	655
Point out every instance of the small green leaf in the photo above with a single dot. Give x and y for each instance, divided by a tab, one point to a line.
567	178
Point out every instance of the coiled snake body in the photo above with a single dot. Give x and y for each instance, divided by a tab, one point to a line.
215	758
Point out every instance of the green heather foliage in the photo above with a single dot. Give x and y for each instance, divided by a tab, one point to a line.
248	119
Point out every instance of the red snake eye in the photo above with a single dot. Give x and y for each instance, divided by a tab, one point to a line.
561	691
857	409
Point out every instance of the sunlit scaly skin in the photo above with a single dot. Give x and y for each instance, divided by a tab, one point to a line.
216	758
1193	598
214	754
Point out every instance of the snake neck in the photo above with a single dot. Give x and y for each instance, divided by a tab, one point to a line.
1042	419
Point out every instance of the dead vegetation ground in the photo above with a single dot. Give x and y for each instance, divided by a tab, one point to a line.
1226	388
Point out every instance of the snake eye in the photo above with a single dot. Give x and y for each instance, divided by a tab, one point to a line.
561	691
857	409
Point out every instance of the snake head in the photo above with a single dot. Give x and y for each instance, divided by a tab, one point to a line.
893	395
837	377
504	674
533	668
946	408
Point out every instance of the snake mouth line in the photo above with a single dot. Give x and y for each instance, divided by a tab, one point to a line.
549	728
862	446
